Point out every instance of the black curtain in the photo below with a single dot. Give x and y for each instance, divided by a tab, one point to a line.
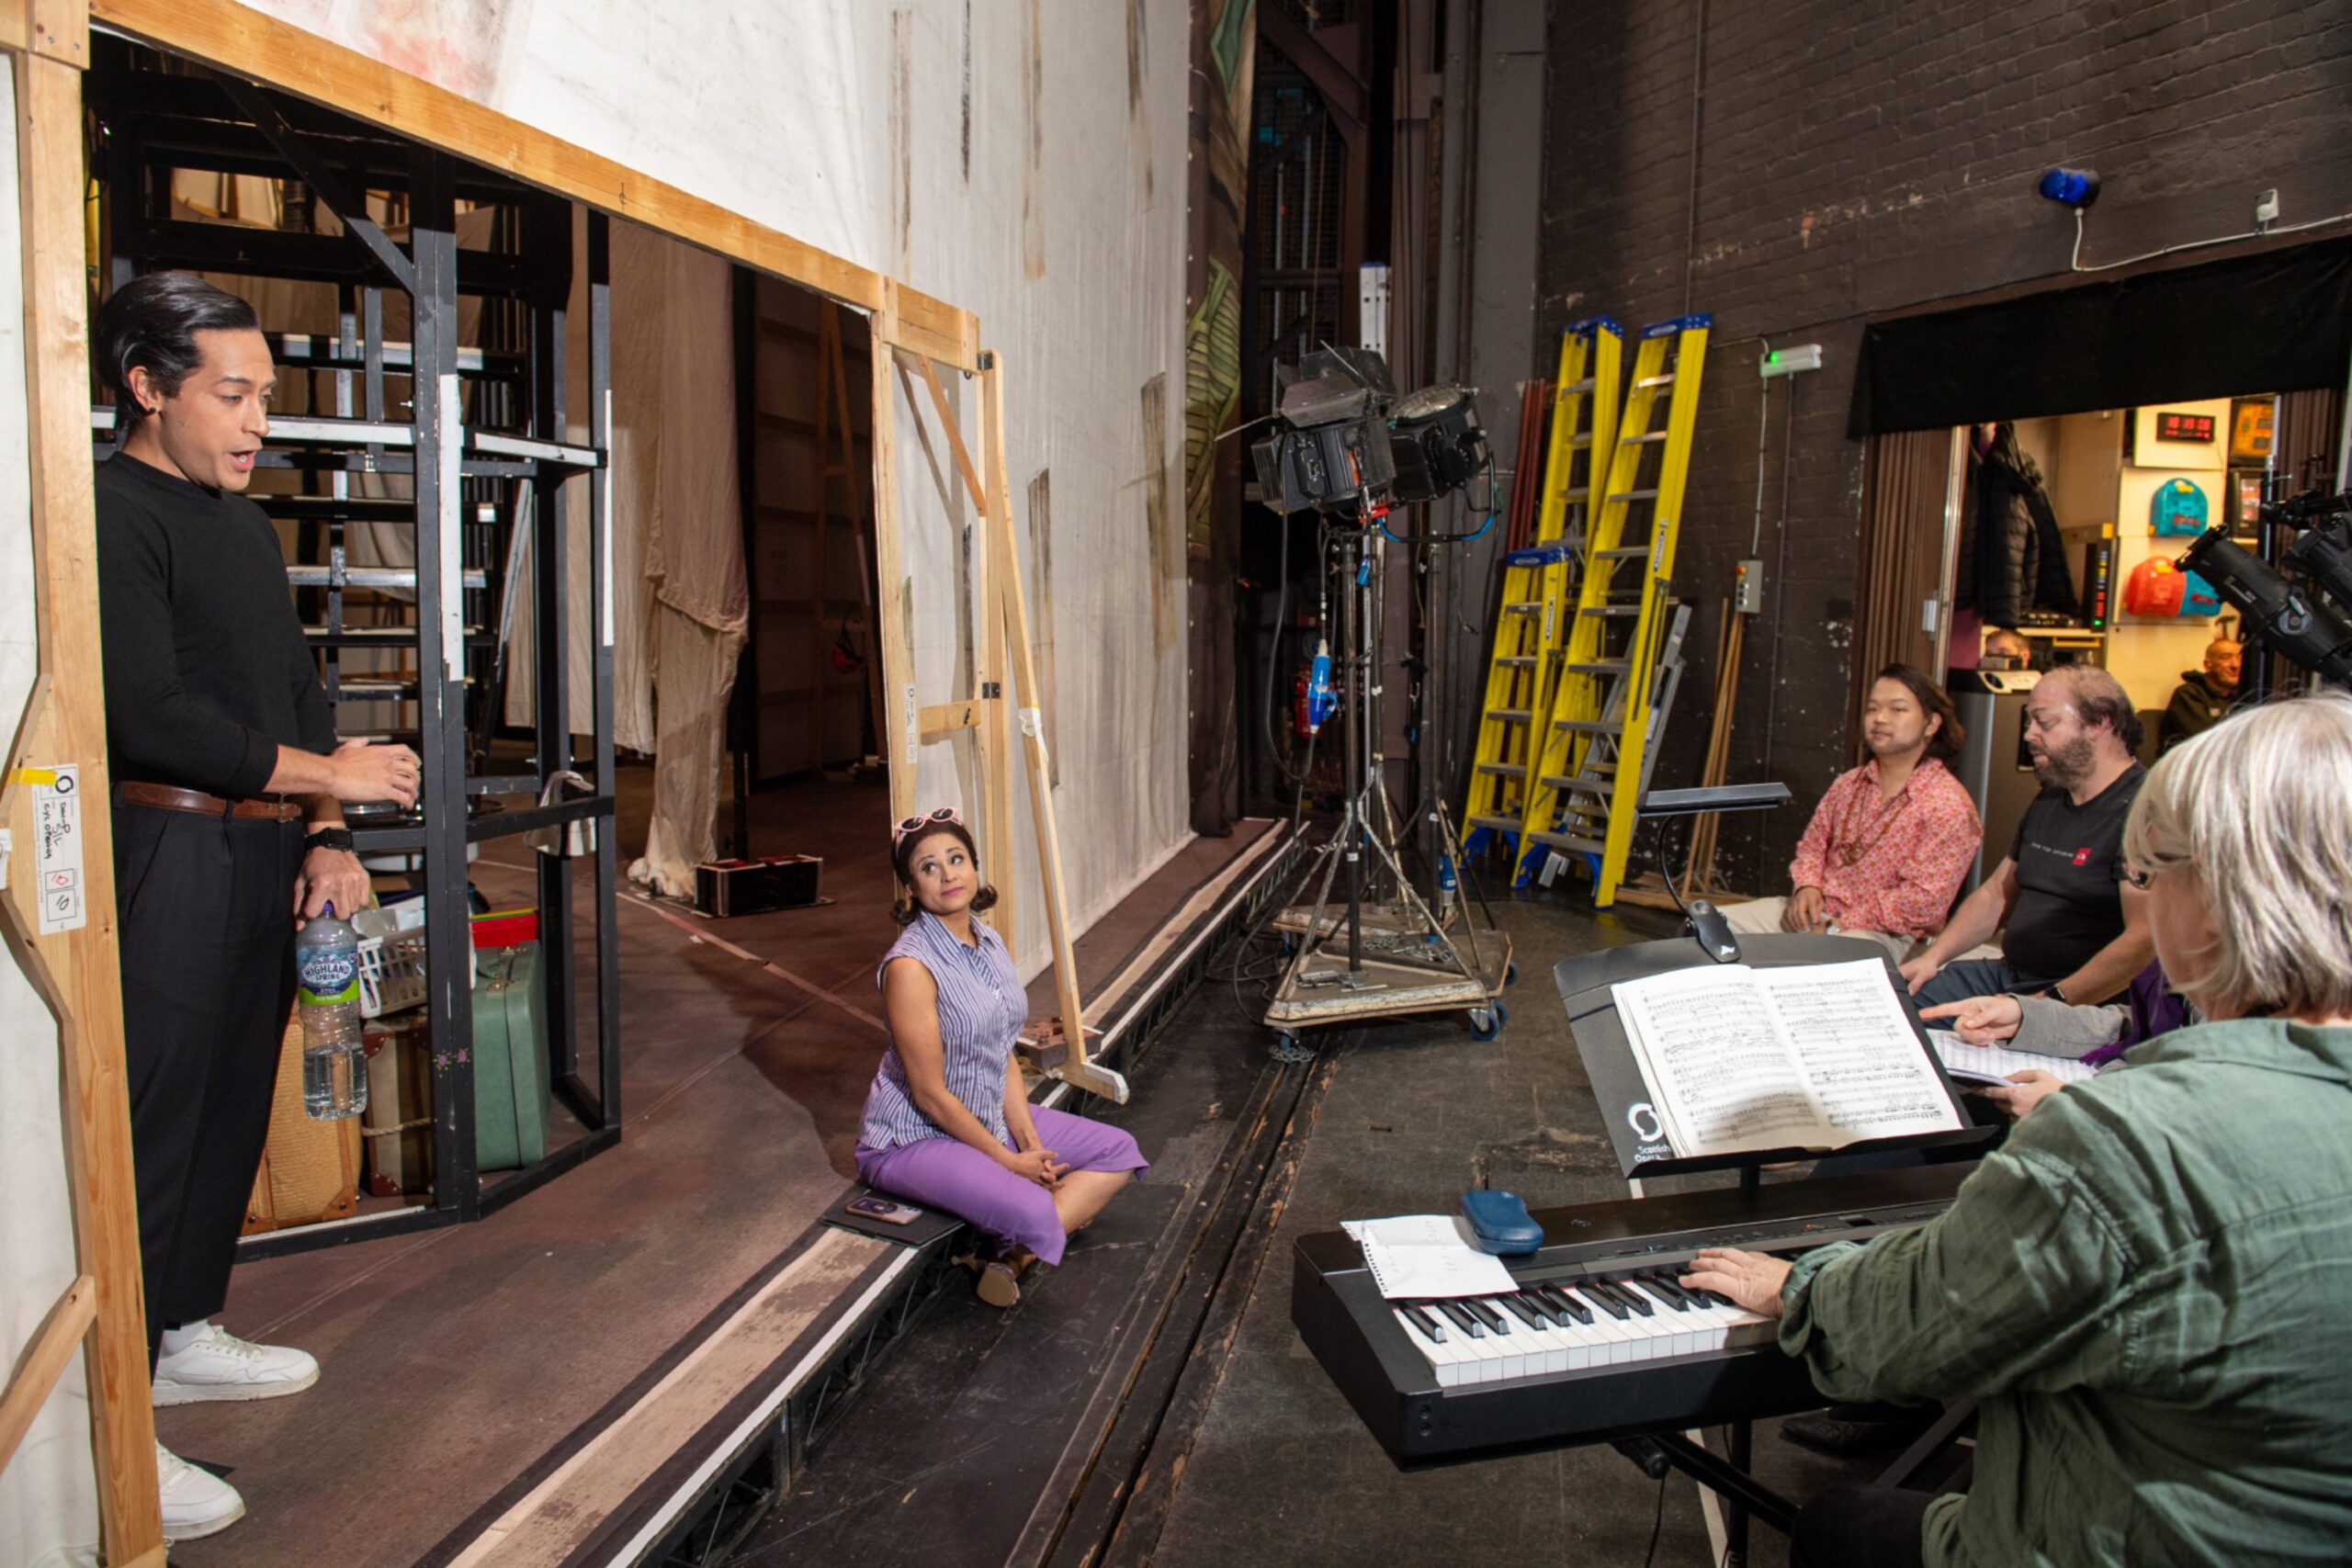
2278	320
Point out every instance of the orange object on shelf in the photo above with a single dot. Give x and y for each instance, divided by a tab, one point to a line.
2155	588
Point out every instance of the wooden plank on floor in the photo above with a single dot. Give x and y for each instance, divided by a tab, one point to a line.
567	1511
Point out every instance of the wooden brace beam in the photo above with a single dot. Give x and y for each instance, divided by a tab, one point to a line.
945	718
1076	1067
45	1360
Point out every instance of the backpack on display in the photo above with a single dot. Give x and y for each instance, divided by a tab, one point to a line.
2155	588
2177	509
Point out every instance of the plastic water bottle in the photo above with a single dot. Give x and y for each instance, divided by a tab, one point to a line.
334	1076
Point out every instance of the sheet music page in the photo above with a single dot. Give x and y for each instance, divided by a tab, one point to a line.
1993	1064
1719	1068
1854	1044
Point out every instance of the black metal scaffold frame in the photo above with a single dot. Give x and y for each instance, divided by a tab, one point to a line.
474	484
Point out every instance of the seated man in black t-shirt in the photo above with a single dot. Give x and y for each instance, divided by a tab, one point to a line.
2075	930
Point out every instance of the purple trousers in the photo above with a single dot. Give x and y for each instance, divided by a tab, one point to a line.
941	1173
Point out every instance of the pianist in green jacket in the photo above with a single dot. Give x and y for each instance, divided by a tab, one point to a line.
2148	1288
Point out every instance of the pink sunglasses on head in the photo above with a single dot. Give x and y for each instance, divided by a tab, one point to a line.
917	824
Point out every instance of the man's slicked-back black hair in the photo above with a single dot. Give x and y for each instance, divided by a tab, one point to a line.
151	322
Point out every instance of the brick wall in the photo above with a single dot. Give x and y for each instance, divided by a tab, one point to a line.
1857	158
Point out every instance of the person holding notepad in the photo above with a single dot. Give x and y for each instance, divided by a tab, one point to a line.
2095	1036
2147	1289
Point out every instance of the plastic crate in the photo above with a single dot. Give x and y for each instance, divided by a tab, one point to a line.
504	928
391	972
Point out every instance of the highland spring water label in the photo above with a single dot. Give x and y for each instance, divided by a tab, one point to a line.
330	977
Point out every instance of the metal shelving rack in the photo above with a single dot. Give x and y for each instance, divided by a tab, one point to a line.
487	446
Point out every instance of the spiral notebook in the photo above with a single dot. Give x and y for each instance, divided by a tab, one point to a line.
1427	1257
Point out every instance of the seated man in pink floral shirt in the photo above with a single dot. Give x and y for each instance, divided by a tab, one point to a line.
1890	842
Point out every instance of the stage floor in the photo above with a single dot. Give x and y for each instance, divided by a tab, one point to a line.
455	1362
1150	1402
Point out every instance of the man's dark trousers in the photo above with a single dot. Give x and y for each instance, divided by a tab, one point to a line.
205	910
1966	977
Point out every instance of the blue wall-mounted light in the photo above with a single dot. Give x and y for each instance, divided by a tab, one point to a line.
2072	188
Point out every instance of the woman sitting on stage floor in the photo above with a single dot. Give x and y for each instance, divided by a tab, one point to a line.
947	1121
2148	1288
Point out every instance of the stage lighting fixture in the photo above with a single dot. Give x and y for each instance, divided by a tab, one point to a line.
2285	617
1336	449
1435	442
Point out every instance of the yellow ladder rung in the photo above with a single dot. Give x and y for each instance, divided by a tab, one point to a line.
1595	735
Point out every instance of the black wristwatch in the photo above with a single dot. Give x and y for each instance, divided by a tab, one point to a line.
330	838
2055	995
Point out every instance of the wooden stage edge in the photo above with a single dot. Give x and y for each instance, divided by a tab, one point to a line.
759	1378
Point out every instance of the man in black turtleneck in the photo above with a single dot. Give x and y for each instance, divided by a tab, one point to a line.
228	829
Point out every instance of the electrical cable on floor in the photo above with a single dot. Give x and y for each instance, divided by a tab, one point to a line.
1657	1523
1274	655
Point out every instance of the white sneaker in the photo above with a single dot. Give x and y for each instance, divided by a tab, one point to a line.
216	1364
196	1502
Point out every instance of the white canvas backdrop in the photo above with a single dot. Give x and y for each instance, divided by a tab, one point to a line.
1023	159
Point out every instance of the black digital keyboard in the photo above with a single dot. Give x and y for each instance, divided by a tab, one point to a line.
1598	1342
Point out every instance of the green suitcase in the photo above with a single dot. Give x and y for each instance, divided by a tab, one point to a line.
510	1058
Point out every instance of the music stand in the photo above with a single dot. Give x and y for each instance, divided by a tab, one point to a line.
1634	1131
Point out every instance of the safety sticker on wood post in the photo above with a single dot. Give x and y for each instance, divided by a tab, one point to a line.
57	849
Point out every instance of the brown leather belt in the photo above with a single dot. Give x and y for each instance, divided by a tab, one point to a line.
202	804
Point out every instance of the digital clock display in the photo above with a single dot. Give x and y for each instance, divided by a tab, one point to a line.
2184	427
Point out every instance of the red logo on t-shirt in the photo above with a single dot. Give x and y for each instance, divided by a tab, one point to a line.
2082	857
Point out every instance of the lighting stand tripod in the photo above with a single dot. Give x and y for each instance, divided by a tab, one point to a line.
1386	954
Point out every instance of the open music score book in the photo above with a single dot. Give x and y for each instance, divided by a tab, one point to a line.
1811	1057
1993	1064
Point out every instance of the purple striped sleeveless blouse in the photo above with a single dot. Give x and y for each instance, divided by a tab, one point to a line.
982	1007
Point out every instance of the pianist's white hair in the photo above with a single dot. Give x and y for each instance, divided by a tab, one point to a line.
2260	807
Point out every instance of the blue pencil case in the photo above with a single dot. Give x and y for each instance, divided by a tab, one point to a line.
1500	1223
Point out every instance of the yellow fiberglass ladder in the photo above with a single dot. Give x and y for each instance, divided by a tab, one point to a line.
1538	581
1593	761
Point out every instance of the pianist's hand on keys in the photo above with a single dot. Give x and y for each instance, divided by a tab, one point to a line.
1754	1279
1589	1323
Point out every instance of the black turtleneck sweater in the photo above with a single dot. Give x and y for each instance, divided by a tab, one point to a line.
207	670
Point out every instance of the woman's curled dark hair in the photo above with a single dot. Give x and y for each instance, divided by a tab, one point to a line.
902	855
151	322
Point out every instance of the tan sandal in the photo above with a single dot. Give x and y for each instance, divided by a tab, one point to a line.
998	1285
